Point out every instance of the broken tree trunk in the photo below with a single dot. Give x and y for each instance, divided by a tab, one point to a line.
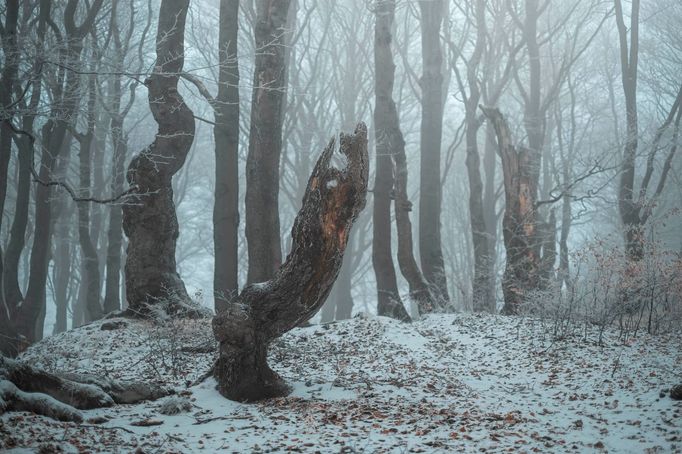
150	222
26	388
519	226
262	312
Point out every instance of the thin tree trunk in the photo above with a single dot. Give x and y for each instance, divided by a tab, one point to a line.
53	137
90	278
151	223
430	190
226	133
490	214
388	298
265	142
265	311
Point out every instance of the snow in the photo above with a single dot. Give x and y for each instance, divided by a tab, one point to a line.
453	382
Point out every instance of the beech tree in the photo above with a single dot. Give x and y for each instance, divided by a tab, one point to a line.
430	189
635	208
385	119
150	222
265	141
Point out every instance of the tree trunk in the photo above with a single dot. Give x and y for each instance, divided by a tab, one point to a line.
430	190
388	298
7	81
265	142
521	274
481	297
26	147
90	278
112	295
490	215
226	133
265	311
151	223
65	110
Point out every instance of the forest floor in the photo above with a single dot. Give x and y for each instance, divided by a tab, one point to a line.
471	383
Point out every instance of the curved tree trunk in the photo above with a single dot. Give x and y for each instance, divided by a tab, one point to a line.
151	223
521	274
388	298
265	311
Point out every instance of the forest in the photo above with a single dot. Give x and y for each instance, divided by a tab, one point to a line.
340	226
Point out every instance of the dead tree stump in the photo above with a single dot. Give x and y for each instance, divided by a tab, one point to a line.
519	225
264	311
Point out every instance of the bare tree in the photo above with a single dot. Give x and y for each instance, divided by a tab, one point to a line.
635	210
265	141
385	119
150	222
226	133
430	190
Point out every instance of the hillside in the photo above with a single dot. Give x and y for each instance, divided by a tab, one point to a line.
371	384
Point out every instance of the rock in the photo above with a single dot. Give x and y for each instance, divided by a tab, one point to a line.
111	325
676	392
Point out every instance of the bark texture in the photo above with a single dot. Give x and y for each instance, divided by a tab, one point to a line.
430	190
385	119
226	133
265	141
264	311
151	223
521	274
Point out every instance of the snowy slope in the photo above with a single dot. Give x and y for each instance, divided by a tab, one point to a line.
371	384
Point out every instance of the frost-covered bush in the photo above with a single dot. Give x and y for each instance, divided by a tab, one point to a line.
610	289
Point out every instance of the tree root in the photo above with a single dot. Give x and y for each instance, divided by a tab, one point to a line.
26	388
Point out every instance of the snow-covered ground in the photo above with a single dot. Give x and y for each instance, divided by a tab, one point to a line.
371	384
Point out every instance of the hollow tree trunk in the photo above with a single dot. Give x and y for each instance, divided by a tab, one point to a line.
430	190
388	298
263	312
265	142
151	223
521	274
226	133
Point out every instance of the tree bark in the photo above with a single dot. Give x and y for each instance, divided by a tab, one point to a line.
151	223
521	274
26	147
388	298
430	190
226	133
7	80
265	141
265	311
90	278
